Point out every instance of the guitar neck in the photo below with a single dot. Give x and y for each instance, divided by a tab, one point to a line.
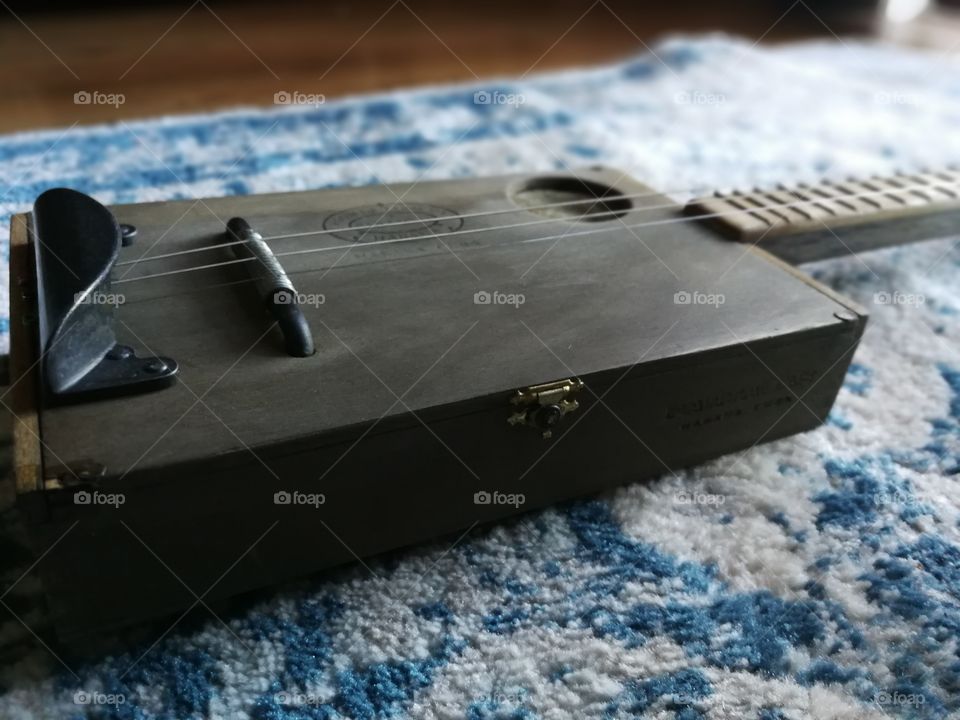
805	223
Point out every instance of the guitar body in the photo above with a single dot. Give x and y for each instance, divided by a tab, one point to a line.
426	408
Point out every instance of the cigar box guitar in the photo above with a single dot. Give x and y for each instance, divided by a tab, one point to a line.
214	396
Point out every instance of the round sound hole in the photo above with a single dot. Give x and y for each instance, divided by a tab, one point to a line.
570	198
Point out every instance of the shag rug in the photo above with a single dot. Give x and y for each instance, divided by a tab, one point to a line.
814	577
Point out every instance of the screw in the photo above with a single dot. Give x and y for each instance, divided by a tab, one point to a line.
547	416
128	233
155	366
120	352
83	471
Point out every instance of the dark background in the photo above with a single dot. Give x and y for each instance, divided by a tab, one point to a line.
200	56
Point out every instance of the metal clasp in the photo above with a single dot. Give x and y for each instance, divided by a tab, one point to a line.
543	406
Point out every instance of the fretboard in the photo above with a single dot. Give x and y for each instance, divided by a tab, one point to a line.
830	219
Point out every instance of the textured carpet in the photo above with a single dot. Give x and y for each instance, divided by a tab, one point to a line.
815	577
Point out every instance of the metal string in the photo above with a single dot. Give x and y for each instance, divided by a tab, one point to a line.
591	231
593	201
599	200
374	243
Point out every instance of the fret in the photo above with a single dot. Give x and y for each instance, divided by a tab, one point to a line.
806	222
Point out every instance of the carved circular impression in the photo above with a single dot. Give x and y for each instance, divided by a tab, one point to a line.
391	221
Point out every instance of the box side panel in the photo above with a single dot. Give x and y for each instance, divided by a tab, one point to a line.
392	489
24	362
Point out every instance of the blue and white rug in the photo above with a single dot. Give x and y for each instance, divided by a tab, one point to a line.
815	577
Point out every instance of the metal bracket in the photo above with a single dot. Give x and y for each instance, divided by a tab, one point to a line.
543	406
77	241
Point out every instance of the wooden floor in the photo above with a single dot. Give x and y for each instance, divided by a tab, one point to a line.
182	57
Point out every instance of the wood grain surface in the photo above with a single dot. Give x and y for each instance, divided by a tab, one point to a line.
20	399
182	57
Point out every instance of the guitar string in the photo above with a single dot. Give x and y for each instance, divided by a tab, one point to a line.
559	236
691	218
374	243
594	201
598	200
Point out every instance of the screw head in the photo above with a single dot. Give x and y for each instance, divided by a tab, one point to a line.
120	352
154	366
547	416
127	233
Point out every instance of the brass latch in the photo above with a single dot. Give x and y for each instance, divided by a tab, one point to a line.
543	406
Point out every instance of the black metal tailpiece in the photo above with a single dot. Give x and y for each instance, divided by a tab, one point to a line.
77	242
